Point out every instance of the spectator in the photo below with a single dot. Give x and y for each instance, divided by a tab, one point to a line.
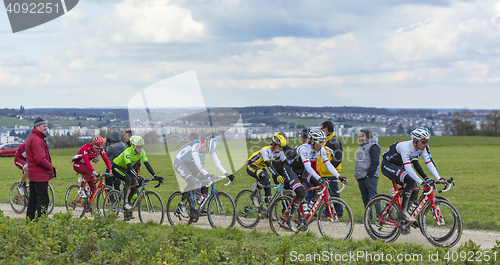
41	170
334	151
367	167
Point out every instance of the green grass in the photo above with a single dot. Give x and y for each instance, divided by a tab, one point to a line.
8	121
471	161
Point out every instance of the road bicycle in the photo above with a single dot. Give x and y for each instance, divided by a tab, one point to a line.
149	204
78	206
247	214
220	207
437	218
330	223
19	202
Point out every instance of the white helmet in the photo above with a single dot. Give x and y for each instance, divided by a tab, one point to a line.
210	144
420	134
317	135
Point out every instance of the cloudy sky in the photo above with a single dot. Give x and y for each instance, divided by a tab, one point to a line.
394	54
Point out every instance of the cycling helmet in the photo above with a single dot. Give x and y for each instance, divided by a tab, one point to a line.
420	134
317	135
136	140
282	134
279	140
99	141
210	144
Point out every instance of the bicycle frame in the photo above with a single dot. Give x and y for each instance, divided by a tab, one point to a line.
99	187
211	192
428	198
324	195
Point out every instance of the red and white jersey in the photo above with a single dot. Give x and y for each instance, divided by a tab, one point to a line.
86	154
20	158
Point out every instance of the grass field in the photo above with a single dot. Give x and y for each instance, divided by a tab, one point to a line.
471	161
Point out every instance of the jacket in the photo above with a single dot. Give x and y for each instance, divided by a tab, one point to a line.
116	147
38	158
367	160
334	151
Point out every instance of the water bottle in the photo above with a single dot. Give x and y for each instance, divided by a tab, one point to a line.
88	192
134	198
391	191
202	198
80	179
27	188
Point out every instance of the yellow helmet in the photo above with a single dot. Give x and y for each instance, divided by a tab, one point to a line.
279	140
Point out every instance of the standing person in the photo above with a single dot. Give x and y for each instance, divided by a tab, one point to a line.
367	166
41	170
115	148
334	153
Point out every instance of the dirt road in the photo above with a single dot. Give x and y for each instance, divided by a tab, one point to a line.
485	239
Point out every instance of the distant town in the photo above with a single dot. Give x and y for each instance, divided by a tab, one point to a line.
68	127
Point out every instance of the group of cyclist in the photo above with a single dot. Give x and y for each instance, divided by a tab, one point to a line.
295	167
301	166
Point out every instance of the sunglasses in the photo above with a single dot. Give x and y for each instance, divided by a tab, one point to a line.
98	147
424	141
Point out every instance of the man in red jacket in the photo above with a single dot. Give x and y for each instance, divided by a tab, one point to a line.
41	169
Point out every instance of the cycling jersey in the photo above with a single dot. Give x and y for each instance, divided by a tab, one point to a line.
402	154
192	153
130	156
86	154
304	155
334	149
260	157
20	158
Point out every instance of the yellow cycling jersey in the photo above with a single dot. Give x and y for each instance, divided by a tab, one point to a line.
260	157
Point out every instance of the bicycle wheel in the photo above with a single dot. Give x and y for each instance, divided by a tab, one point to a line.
101	193
338	227
174	215
247	214
112	204
151	208
383	227
221	210
75	203
17	202
448	231
278	213
50	192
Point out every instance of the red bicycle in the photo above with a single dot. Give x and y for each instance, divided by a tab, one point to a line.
78	206
438	219
330	223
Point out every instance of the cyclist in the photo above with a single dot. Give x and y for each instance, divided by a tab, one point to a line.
122	168
114	149
396	165
299	163
188	164
81	163
20	162
261	159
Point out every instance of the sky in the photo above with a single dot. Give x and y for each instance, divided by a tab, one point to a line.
388	54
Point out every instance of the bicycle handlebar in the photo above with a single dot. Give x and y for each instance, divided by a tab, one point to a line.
343	186
449	182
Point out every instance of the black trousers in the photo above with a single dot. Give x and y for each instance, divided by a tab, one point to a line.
38	201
